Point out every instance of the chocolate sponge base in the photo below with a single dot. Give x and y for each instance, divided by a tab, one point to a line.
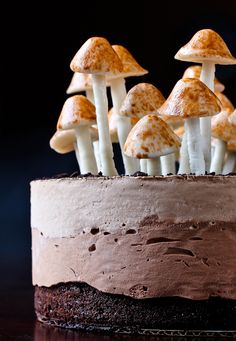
80	306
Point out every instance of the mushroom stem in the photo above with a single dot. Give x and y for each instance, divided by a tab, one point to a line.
105	145
96	153
153	166
196	157
143	165
229	163
89	95
76	153
85	147
184	167
118	94
207	77
218	156
168	164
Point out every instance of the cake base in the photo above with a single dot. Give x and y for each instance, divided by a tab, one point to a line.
80	306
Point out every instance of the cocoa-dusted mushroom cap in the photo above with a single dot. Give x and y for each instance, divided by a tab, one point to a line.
96	56
130	65
206	45
190	98
222	128
141	100
79	82
194	71
151	137
63	141
77	110
226	104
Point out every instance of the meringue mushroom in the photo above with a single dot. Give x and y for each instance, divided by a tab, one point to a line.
191	99
151	138
142	99
64	141
224	130
118	93
81	82
194	71
78	113
208	48
97	57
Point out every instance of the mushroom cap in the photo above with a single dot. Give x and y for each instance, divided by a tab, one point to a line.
221	127
151	137
226	104
141	100
96	56
79	82
194	71
130	65
206	46
77	110
63	141
190	98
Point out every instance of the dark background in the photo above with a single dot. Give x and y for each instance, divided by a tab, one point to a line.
37	43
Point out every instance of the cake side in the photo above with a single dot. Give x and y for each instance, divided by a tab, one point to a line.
142	237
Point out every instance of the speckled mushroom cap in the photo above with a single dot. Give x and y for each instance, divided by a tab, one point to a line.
77	110
141	100
190	98
206	45
194	71
79	82
222	127
96	56
63	141
151	137
130	65
226	104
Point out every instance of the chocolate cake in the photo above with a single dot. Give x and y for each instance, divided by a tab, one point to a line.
135	253
152	250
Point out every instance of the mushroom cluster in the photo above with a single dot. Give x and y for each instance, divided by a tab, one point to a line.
193	130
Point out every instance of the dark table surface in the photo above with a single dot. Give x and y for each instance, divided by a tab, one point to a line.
18	321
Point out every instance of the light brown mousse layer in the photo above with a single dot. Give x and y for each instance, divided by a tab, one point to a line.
138	236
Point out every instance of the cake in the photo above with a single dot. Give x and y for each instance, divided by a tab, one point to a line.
143	252
135	253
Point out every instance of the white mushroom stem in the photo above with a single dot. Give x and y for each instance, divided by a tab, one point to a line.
184	167
85	147
218	156
153	166
97	156
196	157
89	95
105	145
118	94
168	164
229	163
76	152
143	165
207	77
